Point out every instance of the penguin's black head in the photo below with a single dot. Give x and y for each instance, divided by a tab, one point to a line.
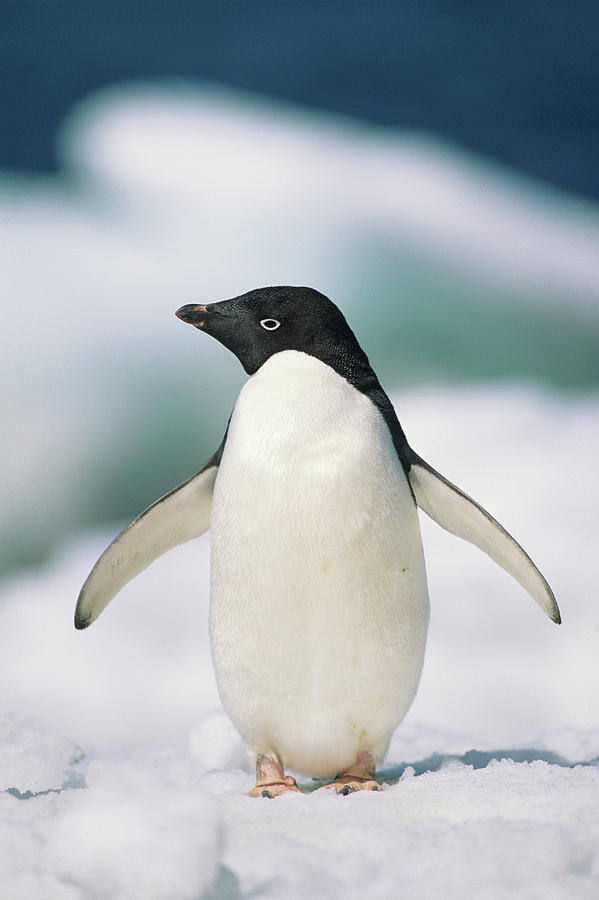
268	320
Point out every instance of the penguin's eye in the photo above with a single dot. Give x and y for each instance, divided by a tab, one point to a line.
270	324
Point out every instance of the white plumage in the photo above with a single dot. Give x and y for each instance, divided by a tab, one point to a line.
319	606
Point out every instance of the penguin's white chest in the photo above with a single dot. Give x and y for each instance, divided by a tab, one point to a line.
319	606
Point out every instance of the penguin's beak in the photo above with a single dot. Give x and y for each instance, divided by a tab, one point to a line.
194	314
216	319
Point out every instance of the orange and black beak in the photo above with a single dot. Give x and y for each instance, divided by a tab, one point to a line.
193	314
232	323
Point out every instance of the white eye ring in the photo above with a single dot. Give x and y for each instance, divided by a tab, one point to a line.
270	324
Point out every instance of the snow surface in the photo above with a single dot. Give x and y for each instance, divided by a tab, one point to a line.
123	778
120	774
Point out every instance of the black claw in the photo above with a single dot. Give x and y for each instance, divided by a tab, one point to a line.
267	794
345	790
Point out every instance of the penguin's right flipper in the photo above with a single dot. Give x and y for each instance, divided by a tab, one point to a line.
179	516
462	516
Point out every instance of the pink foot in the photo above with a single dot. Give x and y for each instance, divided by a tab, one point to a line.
271	779
360	777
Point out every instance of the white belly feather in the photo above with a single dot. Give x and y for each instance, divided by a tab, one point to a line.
319	606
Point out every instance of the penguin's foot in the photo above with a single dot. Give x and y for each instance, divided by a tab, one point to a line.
360	777
272	789
344	784
271	779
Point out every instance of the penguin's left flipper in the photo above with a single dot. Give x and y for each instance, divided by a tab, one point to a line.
462	516
179	516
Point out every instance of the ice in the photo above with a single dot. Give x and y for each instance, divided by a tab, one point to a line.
134	830
206	147
491	784
33	758
121	776
172	194
509	829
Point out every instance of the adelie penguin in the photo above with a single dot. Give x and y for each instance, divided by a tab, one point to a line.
319	605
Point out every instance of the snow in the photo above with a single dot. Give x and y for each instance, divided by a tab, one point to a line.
33	758
527	829
123	778
139	828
